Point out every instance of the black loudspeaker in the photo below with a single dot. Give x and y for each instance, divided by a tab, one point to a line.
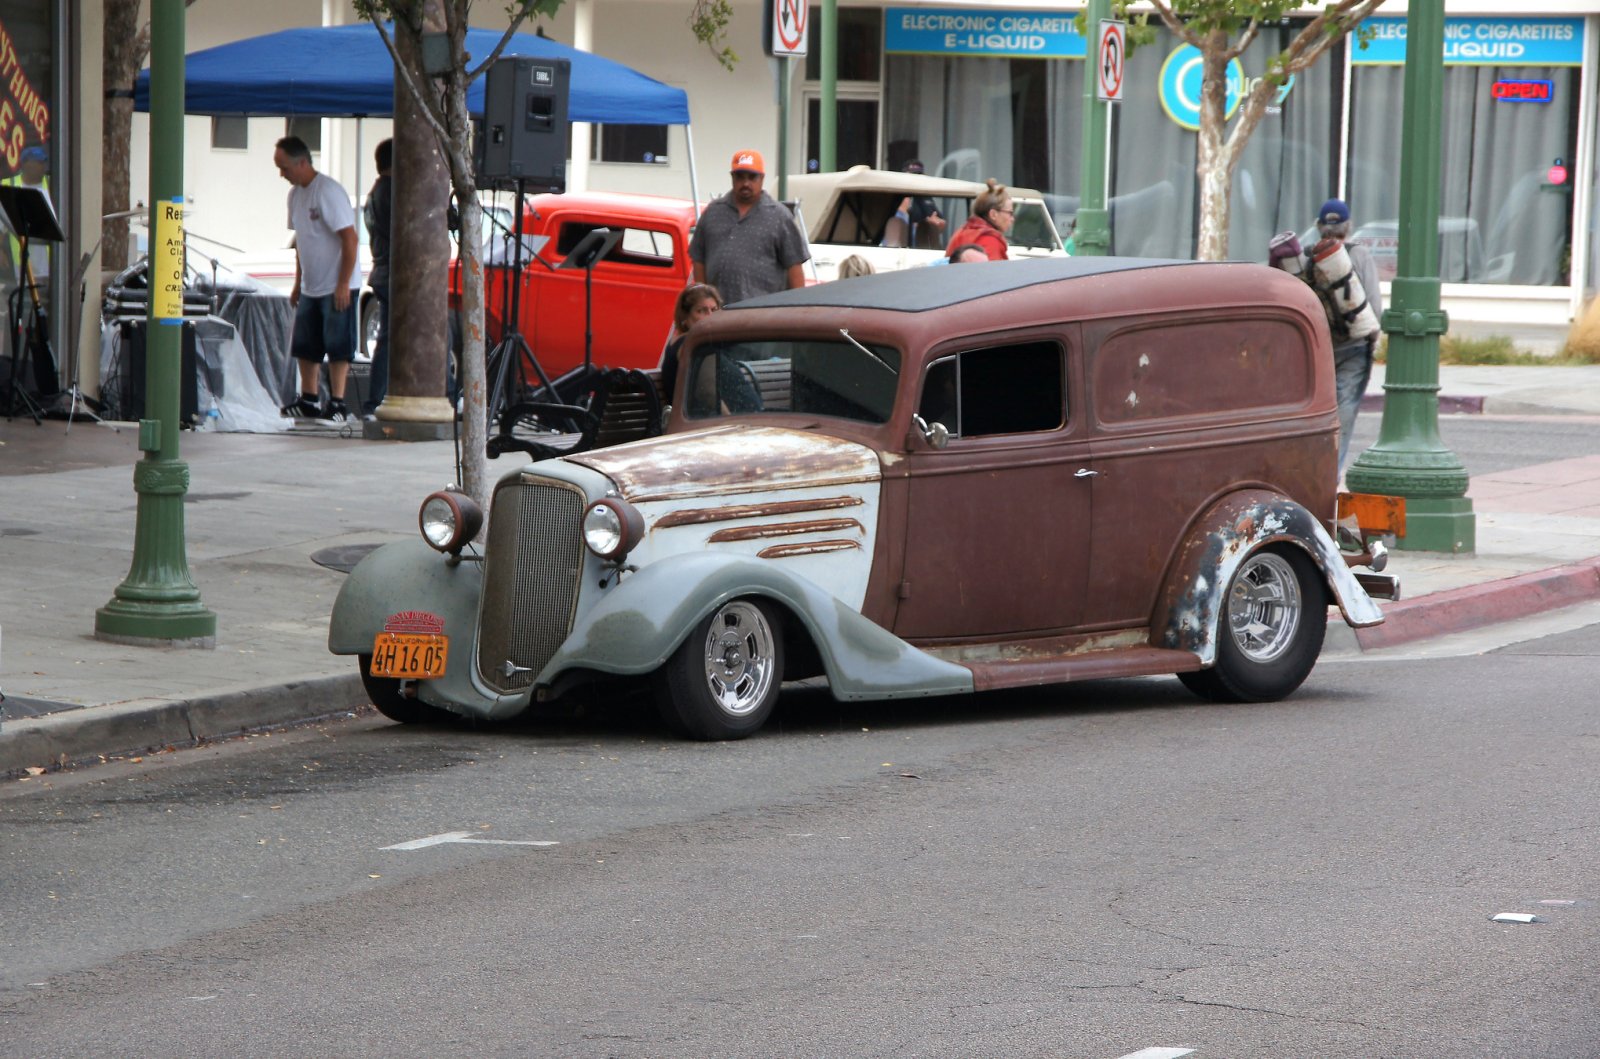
525	132
133	369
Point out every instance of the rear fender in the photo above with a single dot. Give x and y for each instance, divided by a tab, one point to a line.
639	623
1189	613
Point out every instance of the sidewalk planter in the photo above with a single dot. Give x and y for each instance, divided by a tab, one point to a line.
917	483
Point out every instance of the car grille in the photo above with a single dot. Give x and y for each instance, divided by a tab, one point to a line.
531	572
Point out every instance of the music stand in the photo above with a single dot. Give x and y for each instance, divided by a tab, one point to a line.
32	217
590	249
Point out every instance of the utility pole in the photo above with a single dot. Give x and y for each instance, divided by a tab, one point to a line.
1410	459
828	109
1092	233
157	604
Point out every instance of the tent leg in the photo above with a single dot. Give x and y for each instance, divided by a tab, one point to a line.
694	185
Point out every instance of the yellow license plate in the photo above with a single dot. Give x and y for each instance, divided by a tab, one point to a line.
409	655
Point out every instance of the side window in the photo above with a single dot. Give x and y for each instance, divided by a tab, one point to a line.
644	247
1200	367
1017	389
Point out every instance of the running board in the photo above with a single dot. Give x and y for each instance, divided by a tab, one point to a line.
1133	661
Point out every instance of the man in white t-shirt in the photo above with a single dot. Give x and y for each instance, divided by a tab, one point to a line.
324	225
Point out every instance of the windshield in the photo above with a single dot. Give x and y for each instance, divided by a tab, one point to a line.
1032	226
835	378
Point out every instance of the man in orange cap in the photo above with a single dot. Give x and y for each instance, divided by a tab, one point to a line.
746	242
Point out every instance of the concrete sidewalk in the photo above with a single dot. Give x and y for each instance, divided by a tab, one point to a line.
265	512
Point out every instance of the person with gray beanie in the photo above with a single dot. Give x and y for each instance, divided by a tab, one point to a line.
1352	356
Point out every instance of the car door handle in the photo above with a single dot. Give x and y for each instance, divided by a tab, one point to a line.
1084	472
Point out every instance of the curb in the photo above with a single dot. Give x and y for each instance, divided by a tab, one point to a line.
1472	607
72	736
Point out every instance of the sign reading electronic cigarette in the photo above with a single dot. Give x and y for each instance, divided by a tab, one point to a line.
166	263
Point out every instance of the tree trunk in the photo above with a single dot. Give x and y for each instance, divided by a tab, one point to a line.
126	45
474	430
1214	165
419	253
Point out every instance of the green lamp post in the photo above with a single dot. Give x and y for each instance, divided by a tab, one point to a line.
1092	233
158	603
1409	459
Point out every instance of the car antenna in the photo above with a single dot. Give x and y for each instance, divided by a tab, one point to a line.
846	333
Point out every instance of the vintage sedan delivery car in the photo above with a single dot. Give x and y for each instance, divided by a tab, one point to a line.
928	482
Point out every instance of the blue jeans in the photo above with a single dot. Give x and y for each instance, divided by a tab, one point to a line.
378	381
1352	367
321	330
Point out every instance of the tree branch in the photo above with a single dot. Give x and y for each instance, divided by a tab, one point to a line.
1245	40
430	104
1176	25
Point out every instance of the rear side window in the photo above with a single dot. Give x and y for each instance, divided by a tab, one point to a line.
1015	389
1204	367
638	246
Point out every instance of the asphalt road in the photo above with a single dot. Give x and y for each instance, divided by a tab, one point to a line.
1088	871
1487	444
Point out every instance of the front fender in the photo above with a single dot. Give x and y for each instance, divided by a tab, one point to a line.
404	576
638	624
1189	615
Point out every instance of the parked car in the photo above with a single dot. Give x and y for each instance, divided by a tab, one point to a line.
853	212
926	482
633	287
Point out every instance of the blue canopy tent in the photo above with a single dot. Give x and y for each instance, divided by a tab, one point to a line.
346	72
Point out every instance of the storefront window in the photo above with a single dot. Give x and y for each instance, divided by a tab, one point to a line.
860	36
1508	132
1019	120
26	142
1286	171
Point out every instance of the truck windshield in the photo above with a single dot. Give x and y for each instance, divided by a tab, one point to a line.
835	378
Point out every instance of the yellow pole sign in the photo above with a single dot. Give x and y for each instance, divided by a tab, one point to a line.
166	262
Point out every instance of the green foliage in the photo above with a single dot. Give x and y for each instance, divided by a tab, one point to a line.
709	21
1502	350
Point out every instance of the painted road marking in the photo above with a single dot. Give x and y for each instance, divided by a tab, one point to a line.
463	837
1158	1053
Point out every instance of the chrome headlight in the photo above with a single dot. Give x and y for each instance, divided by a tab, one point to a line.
611	528
449	519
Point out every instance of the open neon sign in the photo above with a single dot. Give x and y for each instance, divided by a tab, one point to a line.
1524	91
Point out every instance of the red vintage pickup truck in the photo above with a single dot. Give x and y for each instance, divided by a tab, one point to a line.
634	286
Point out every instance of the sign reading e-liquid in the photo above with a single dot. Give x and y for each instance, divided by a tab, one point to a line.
166	263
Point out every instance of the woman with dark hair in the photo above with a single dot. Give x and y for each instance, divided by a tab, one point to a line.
696	302
992	217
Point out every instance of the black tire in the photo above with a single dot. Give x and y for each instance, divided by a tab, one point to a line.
722	682
1274	617
385	695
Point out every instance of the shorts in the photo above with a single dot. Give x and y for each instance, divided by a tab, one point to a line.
320	330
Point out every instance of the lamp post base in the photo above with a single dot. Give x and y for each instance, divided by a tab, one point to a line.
1440	525
156	624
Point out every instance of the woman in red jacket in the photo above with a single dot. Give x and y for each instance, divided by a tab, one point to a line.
991	219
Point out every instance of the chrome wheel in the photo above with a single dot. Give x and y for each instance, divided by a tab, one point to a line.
740	661
723	680
1264	607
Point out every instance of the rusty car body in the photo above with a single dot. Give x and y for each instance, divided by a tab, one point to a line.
917	483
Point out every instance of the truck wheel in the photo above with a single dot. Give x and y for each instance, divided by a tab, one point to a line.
723	680
385	695
1274	617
